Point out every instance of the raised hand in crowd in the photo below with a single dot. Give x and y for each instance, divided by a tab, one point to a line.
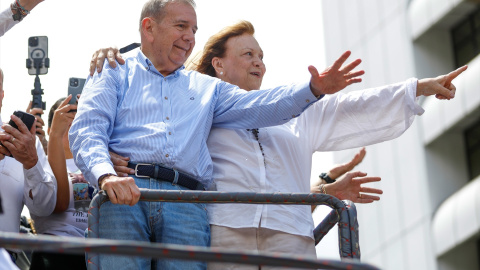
19	143
38	112
336	77
348	187
440	86
62	119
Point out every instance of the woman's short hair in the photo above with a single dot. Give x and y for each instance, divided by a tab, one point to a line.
216	46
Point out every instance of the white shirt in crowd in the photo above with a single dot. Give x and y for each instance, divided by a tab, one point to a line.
336	122
15	185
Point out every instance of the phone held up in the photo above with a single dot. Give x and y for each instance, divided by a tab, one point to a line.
75	87
38	55
27	119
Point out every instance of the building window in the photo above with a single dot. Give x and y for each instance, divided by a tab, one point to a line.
466	39
472	139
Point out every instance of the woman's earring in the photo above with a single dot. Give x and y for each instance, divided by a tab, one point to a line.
221	72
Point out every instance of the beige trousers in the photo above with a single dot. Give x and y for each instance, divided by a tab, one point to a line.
261	239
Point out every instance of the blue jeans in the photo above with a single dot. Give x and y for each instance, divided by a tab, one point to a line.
168	223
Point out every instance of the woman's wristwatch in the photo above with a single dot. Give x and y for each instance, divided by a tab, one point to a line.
327	178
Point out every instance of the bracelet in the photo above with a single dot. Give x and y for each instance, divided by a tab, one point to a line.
19	12
322	189
24	10
327	178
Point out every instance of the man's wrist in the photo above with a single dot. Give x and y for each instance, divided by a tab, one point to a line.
102	177
31	163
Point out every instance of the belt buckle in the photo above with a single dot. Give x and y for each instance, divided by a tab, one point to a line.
136	170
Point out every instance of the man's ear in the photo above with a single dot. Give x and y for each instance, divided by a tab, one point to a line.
147	28
217	64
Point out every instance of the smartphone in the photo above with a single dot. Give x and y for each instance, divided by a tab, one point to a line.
38	55
75	87
26	118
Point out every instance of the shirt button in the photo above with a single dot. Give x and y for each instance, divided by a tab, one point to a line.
168	118
166	155
308	100
169	133
293	116
166	97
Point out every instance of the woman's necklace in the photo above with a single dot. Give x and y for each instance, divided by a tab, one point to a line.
255	133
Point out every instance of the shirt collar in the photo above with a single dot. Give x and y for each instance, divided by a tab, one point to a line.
147	64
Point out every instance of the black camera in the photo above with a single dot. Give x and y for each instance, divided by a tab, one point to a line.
73	82
33	41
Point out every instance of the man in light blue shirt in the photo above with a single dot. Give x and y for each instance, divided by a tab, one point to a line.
155	112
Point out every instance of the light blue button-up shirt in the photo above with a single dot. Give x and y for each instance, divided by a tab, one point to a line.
135	111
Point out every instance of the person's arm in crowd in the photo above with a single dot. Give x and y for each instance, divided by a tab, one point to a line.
62	119
6	17
40	185
37	112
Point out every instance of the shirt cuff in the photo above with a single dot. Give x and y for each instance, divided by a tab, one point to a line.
304	96
34	175
101	169
411	96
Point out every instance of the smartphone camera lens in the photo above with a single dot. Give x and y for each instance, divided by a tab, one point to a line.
73	82
33	41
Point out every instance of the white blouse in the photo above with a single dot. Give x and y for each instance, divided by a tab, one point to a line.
336	122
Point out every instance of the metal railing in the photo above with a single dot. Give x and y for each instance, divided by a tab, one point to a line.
343	213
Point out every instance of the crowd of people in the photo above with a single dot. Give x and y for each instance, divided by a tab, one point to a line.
161	119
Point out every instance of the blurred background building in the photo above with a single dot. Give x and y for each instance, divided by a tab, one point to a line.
429	215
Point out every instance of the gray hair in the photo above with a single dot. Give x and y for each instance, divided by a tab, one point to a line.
155	9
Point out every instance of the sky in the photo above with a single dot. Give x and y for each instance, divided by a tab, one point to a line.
289	32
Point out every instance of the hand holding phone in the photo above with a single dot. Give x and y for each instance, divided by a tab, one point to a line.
24	149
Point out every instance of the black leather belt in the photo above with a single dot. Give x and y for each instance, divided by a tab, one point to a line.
166	174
